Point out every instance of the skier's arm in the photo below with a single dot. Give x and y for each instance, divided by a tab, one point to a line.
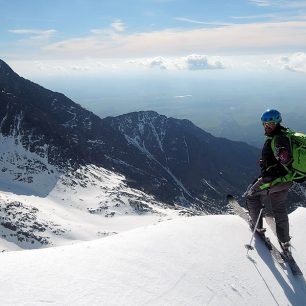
283	150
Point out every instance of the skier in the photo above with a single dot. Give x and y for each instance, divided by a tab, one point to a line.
270	186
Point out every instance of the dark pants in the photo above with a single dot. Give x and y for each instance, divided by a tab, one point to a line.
276	196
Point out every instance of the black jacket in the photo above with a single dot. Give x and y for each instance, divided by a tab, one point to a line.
272	165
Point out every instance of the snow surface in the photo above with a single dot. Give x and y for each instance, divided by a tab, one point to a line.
149	255
186	261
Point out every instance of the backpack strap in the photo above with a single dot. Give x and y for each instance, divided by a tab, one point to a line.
273	146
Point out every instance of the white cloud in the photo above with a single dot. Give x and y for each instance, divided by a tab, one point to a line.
86	66
118	25
156	62
201	22
80	68
274	16
261	2
183	97
295	62
36	34
159	62
190	62
251	37
203	62
281	3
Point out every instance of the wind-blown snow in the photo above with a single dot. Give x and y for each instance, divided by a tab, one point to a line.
187	261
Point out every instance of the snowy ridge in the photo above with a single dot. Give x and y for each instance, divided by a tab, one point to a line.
145	128
187	261
148	124
143	149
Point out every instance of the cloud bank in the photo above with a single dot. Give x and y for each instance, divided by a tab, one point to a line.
190	62
114	42
228	39
203	62
295	62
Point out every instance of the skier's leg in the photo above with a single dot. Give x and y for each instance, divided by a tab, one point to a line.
278	204
254	200
254	206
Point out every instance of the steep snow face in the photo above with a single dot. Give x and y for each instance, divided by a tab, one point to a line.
24	172
42	206
189	261
151	127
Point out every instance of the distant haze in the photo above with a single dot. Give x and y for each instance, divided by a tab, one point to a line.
208	98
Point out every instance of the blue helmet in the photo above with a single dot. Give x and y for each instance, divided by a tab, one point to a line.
271	115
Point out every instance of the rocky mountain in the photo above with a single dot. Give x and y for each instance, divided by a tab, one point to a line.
45	205
46	122
178	160
171	159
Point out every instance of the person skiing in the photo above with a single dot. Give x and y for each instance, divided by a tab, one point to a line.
270	185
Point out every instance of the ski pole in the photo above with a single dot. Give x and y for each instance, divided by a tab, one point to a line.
249	246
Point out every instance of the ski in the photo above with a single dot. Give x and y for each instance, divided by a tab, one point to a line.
240	211
295	269
288	258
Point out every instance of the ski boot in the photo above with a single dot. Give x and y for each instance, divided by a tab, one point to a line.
286	247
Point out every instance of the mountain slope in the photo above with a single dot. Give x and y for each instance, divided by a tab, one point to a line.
171	159
192	261
41	206
85	205
47	122
199	167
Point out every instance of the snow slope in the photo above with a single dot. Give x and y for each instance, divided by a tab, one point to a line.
185	261
87	204
41	205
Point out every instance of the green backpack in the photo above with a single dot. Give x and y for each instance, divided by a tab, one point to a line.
297	169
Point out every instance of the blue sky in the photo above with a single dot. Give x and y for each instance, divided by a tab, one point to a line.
78	29
183	53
